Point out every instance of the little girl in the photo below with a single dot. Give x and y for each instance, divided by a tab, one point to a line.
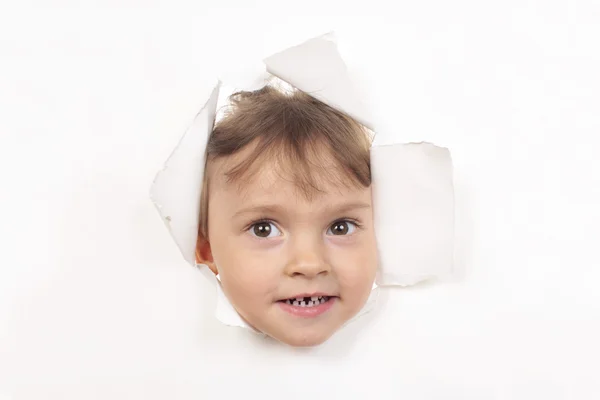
286	215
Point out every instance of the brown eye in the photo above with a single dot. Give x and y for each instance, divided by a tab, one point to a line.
264	229
341	228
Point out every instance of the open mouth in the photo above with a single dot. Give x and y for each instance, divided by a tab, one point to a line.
312	301
308	306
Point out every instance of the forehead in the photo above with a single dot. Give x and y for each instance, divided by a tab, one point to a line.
275	181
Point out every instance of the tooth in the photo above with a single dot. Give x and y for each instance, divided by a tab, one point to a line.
296	303
314	298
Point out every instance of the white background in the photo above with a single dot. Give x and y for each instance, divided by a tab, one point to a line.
97	303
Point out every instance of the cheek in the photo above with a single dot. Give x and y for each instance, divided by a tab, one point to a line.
244	275
357	266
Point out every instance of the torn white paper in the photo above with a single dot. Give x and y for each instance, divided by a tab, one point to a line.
177	187
413	196
413	212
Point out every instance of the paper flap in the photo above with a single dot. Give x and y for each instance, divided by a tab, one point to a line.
413	206
176	189
317	68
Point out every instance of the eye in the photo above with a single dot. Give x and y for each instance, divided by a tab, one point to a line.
341	228
264	229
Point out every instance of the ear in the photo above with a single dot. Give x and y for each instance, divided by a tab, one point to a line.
204	254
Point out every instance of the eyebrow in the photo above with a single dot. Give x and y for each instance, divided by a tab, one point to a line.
275	208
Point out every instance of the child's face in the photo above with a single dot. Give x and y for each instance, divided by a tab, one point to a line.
269	244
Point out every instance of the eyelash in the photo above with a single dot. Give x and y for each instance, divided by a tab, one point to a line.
268	220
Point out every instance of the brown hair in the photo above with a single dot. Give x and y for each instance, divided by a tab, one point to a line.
299	132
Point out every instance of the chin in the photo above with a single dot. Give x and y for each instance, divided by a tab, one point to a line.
304	339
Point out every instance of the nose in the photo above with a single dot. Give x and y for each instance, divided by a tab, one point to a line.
307	258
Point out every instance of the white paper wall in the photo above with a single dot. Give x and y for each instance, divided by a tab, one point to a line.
96	301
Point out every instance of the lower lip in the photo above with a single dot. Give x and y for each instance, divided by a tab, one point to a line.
307	312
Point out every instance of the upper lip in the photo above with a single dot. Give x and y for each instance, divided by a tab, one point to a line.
316	294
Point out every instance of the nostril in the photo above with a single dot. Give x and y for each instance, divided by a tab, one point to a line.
307	269
295	274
